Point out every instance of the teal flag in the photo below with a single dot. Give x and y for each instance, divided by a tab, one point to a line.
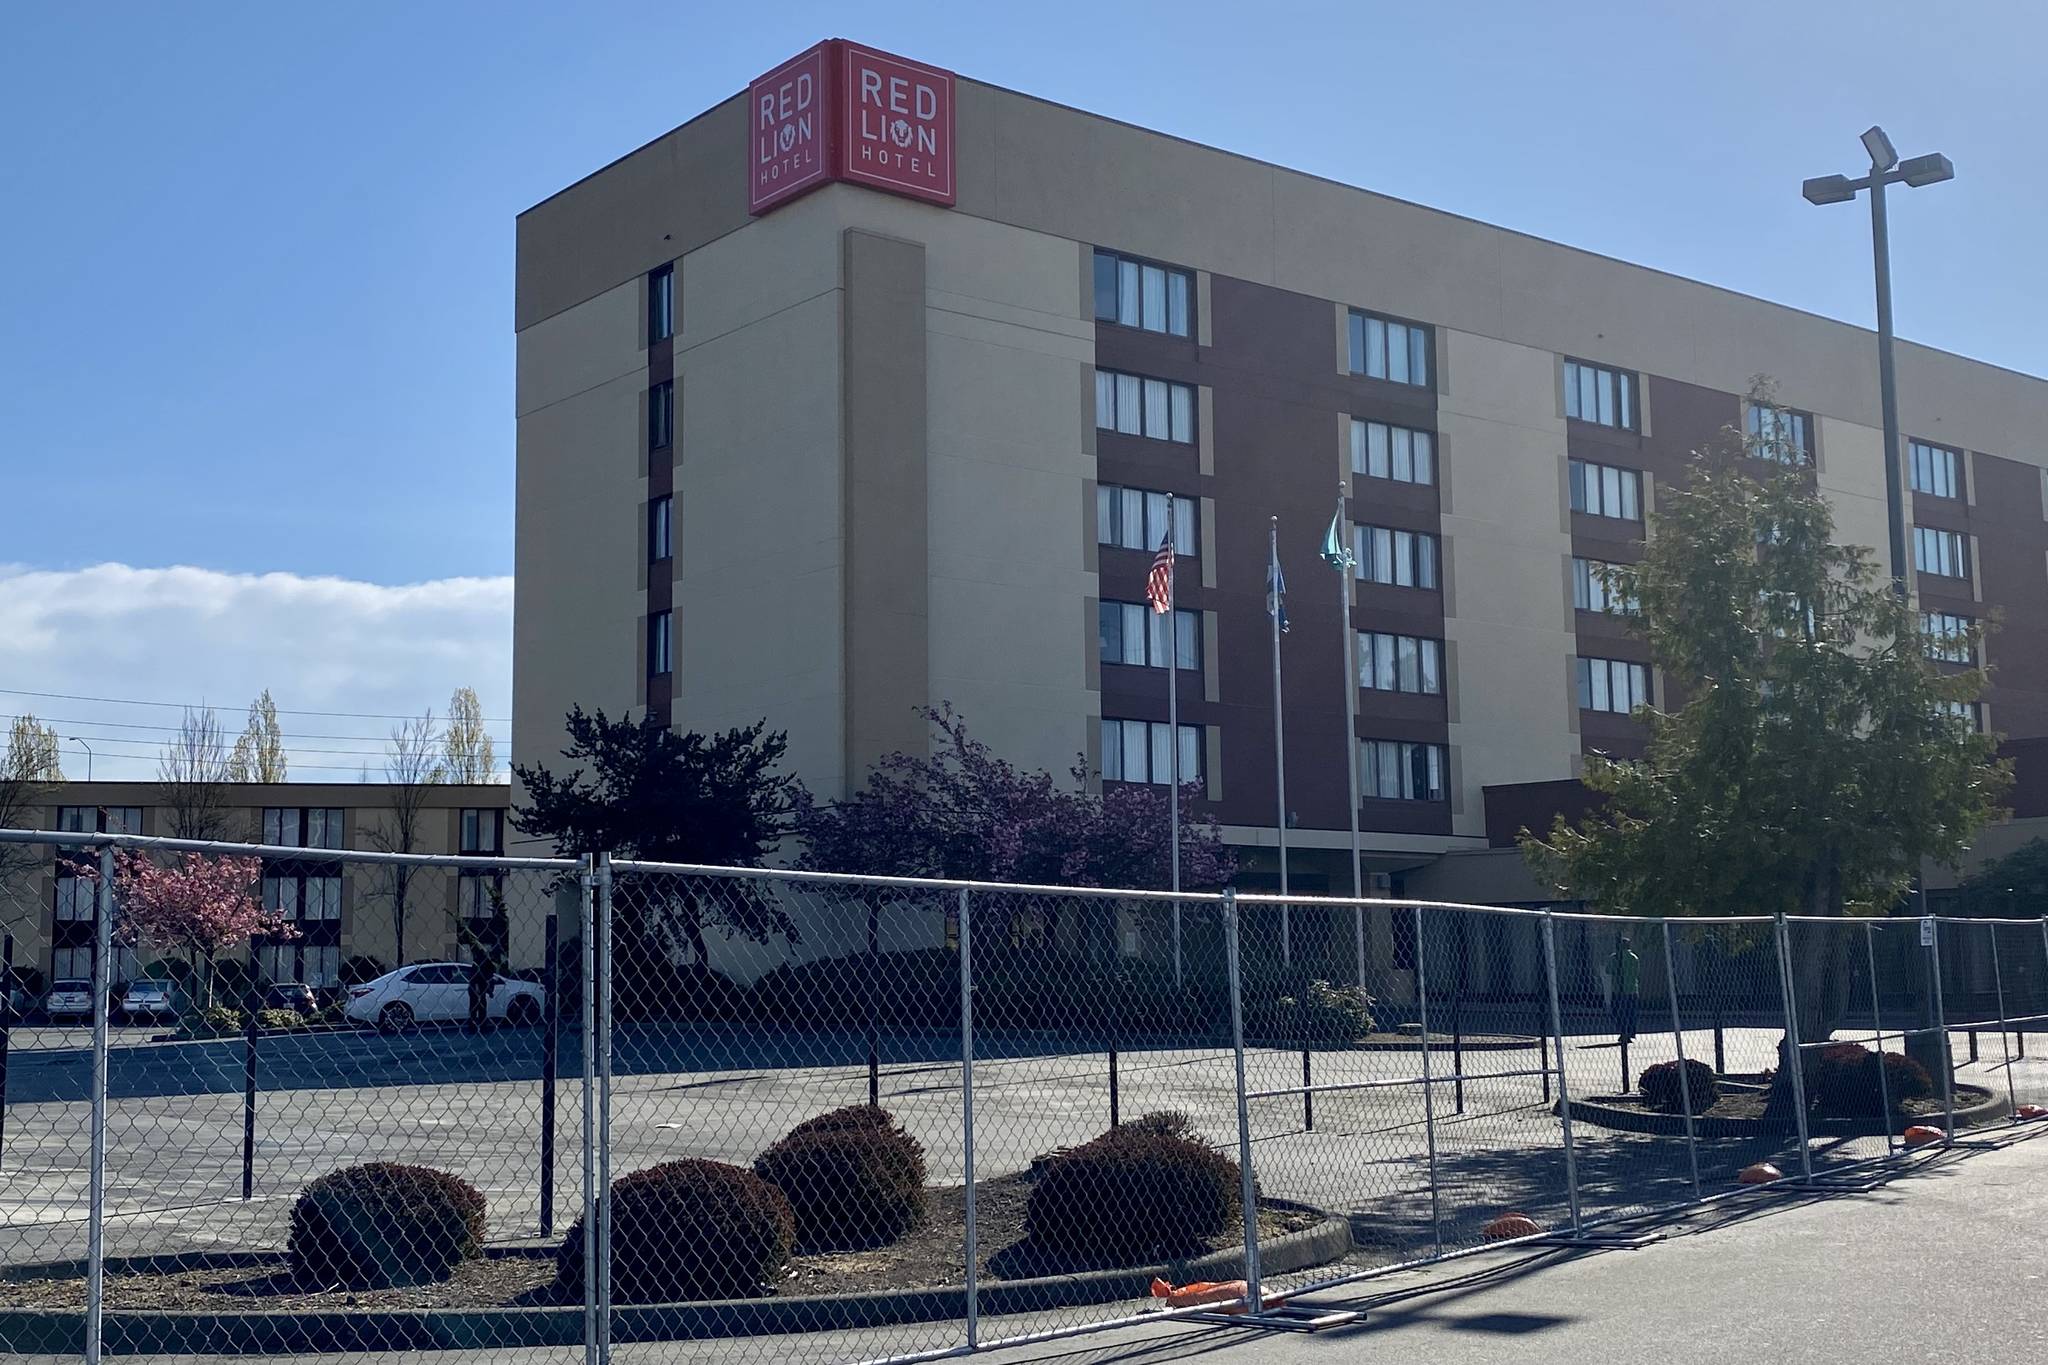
1335	552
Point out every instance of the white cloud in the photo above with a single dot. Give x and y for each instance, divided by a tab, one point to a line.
187	634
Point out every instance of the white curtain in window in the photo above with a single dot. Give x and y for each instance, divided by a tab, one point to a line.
1162	752
1157	421
1112	746
1136	752
1397	352
1105	400
1177	304
1183	428
1154	299
1190	753
1127	309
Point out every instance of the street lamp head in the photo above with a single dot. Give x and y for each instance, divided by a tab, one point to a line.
1827	189
1883	156
1931	169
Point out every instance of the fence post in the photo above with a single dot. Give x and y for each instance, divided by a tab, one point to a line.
873	990
1692	1140
1458	1043
1794	1055
550	1065
586	880
1884	1088
1436	1219
252	996
967	1122
1564	1089
1248	1187
1720	1040
6	1028
2004	1041
96	1215
607	1015
1948	1061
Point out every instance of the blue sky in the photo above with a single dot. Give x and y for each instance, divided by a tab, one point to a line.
258	310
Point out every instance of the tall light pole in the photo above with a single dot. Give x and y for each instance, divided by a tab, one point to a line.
1885	169
88	754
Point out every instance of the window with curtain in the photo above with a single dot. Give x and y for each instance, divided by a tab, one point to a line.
1400	663
1135	519
1135	293
1399	770
1382	348
1141	751
661	303
1133	633
1947	637
661	656
1404	559
1946	553
1591	590
1615	685
1936	469
1381	450
1780	434
1137	406
661	415
1597	394
1605	490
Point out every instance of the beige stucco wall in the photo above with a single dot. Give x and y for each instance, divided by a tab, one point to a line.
1508	624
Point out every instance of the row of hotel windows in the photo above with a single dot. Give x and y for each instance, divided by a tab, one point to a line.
1389	770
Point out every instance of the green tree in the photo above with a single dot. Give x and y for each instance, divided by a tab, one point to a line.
1816	757
27	769
2015	885
665	797
258	755
466	749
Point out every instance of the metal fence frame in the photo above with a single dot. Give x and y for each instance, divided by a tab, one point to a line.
593	878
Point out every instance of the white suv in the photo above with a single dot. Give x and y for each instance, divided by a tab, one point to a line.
438	992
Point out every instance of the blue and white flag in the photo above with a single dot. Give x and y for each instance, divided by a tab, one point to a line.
1276	589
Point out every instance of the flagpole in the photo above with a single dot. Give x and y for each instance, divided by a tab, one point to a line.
1173	721
1350	569
1274	607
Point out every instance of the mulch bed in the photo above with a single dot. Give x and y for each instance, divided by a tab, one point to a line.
1750	1104
930	1256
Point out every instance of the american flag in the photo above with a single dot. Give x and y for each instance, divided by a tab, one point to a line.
1159	583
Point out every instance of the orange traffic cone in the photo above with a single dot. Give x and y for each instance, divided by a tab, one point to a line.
1512	1225
1920	1135
1763	1173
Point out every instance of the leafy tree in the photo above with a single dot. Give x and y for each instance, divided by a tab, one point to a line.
197	906
27	769
32	752
2015	885
661	796
192	776
1815	759
466	749
963	812
258	755
411	770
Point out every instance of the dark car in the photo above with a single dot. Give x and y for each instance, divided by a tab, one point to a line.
291	995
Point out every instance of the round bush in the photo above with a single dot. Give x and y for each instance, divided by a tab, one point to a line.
375	1226
686	1231
854	1178
1662	1091
1135	1194
1846	1081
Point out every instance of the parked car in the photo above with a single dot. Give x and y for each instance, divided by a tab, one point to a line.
438	992
148	1000
68	999
295	996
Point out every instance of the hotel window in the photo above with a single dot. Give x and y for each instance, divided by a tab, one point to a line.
1139	294
1139	751
1136	406
1397	770
1400	663
1604	490
1936	470
660	643
1946	553
1947	637
1780	434
1405	559
483	831
661	303
1383	451
1969	712
1594	393
100	819
1133	633
1592	591
1613	685
1135	519
1384	349
302	826
660	528
661	415
311	895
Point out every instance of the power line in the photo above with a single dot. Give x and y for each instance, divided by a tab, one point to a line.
188	706
173	729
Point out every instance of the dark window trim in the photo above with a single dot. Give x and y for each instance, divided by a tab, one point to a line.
1194	323
655	506
661	415
1634	394
661	278
664	623
1428	330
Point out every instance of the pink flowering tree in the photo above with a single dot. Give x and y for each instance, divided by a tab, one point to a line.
198	907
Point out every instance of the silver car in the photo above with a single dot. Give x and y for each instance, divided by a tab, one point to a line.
70	999
151	1000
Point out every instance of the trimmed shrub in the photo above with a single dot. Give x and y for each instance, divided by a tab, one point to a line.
279	1021
383	1224
854	1178
1662	1091
1166	1123
218	1022
687	1231
1846	1081
1136	1194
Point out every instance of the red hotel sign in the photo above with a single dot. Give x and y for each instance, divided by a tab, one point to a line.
845	112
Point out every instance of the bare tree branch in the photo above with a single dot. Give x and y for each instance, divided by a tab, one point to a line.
411	766
259	750
192	776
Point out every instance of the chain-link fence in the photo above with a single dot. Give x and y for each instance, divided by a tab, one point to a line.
670	1113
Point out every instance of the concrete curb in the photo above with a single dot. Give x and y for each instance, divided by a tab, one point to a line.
62	1331
1603	1111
